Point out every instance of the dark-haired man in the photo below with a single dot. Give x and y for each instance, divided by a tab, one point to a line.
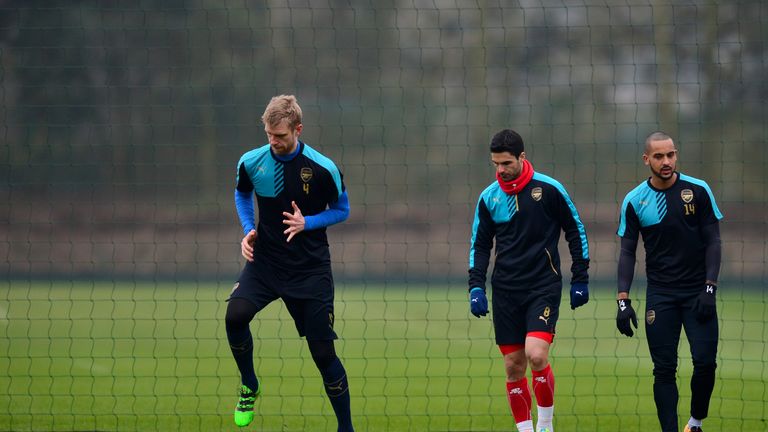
525	212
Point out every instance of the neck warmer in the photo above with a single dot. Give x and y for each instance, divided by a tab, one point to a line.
514	186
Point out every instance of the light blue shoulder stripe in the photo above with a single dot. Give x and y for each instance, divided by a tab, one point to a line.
649	205
491	196
261	169
623	216
249	157
704	184
475	224
326	163
501	205
574	213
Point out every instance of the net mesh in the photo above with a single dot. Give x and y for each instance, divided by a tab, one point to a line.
122	123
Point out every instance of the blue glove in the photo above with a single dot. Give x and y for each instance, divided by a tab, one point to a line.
478	302
579	294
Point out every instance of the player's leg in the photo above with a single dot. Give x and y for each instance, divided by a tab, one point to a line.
314	319
249	295
318	317
334	379
240	312
510	328
518	393
703	339
663	323
537	353
543	312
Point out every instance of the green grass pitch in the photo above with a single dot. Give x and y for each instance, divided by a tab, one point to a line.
154	356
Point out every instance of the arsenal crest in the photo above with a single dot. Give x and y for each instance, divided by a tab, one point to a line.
536	193
306	174
686	195
650	317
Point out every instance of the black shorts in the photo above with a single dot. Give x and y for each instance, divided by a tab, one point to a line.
517	313
308	296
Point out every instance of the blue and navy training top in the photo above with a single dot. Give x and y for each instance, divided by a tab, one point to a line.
311	180
672	223
526	227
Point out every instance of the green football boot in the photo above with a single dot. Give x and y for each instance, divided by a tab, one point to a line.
244	409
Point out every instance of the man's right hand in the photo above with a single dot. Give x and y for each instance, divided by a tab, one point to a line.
624	316
246	245
478	302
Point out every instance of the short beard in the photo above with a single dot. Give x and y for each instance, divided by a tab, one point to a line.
661	177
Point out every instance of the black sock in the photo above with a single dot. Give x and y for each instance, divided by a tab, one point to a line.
243	354
334	380
702	384
239	315
665	395
337	389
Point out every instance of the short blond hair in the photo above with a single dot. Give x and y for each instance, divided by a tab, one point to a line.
282	108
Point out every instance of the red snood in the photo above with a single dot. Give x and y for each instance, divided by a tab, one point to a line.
514	186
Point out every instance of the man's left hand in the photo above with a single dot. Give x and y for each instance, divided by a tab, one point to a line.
295	222
579	294
704	305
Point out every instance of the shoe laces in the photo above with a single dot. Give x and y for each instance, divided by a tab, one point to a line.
247	398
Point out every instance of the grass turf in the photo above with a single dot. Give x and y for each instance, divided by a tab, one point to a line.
146	356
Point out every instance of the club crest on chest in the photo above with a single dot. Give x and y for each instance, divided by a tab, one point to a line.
306	174
536	193
686	195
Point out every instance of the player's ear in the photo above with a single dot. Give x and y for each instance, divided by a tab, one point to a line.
645	159
522	156
298	129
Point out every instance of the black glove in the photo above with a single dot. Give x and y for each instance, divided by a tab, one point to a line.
704	305
624	316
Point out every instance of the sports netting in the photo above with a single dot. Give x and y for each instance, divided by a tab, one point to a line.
122	123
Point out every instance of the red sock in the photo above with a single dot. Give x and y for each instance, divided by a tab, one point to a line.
519	399
544	386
